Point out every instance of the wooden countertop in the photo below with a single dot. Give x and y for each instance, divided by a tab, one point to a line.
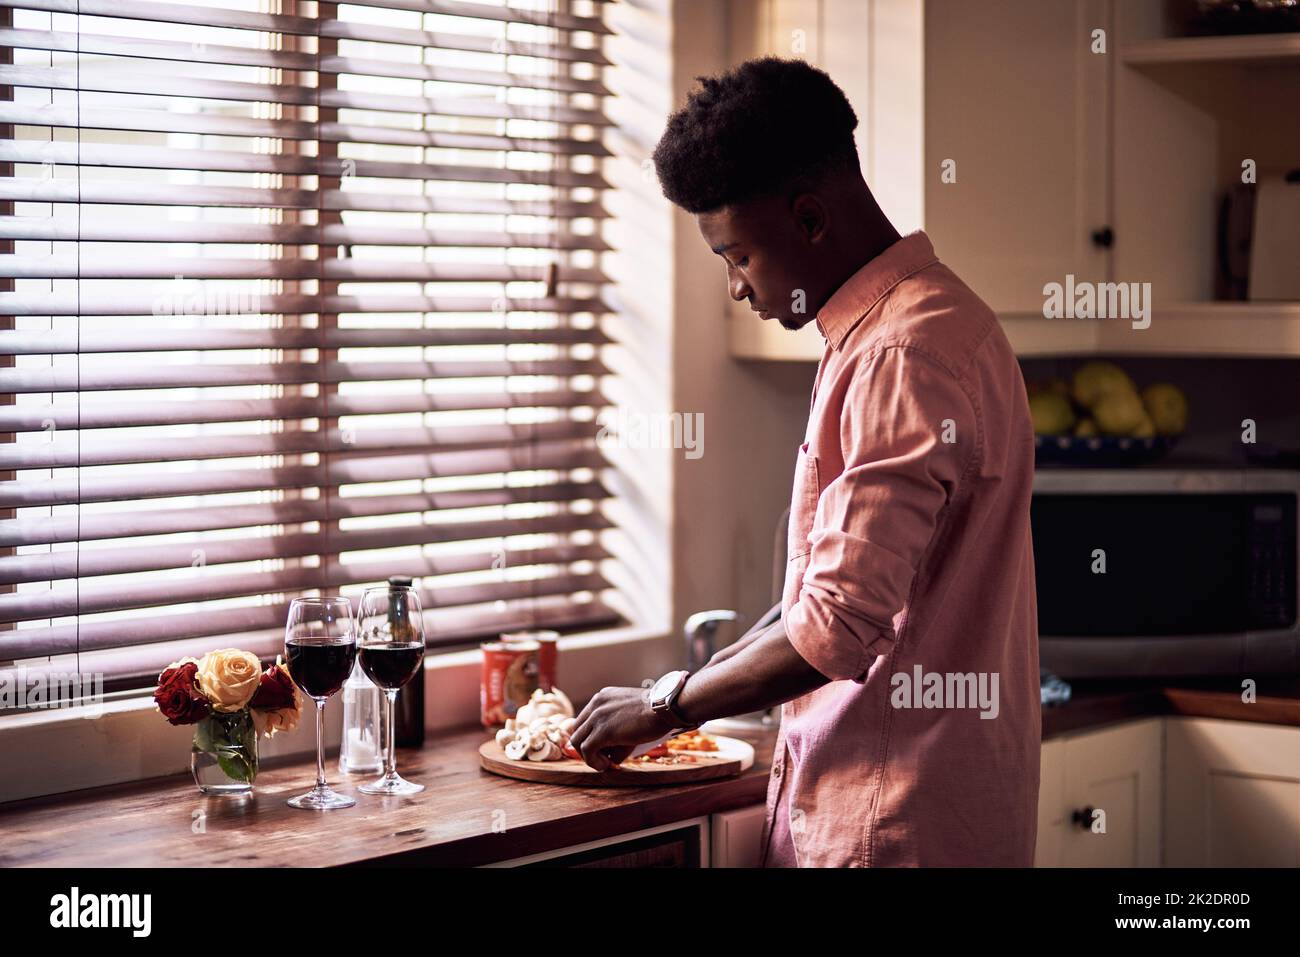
468	816
1095	704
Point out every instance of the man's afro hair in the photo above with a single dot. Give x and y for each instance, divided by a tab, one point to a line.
754	131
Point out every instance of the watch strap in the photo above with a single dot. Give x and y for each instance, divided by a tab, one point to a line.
672	707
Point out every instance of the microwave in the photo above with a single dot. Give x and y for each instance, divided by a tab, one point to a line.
1150	572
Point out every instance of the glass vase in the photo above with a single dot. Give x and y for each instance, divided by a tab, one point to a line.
223	757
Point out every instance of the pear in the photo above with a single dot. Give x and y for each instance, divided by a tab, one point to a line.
1119	413
1097	379
1167	407
1051	413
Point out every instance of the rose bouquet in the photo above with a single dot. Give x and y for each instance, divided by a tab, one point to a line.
230	700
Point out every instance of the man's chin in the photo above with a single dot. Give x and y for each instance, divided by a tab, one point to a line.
793	323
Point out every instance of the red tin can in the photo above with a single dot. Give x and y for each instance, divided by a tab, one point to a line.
548	654
510	675
513	668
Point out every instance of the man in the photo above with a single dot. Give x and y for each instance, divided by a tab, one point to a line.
906	655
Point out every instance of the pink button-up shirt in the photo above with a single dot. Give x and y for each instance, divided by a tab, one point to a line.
910	585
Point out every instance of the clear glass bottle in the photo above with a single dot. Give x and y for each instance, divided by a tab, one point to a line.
362	747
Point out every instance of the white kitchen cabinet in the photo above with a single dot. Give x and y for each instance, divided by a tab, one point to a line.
1182	792
737	837
991	136
1105	166
1051	804
1016	106
1237	790
1116	770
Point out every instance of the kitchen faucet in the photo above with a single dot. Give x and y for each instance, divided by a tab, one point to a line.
701	636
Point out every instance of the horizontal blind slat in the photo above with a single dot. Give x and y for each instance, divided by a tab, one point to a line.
184	300
154	376
91	636
116	414
153	49
134	524
46	229
96	449
103	266
166	121
443	629
109	155
91	78
135	559
67	490
91	598
136	194
88	341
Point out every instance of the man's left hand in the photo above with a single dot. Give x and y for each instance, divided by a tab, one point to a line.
613	723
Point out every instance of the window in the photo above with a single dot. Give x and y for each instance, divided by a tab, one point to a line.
293	297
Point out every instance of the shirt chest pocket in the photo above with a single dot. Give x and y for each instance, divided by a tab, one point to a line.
803	504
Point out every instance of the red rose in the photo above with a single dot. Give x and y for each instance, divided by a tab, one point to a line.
178	696
275	691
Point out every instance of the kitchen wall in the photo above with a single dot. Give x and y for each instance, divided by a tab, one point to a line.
719	509
726	502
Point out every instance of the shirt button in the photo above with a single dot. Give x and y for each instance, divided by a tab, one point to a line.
776	769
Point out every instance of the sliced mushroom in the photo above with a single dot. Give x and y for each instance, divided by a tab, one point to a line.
548	753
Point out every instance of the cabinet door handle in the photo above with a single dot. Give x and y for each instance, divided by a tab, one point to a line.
1083	817
1104	237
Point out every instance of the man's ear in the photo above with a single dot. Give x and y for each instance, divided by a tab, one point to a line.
812	216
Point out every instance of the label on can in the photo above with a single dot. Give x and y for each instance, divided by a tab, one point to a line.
511	673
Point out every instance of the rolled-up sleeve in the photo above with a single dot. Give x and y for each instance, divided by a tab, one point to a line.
907	432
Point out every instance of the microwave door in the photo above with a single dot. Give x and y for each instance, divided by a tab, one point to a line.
1160	583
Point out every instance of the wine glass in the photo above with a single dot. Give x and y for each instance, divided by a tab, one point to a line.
391	650
320	646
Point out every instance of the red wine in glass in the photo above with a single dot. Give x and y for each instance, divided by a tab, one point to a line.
320	648
392	654
390	665
319	668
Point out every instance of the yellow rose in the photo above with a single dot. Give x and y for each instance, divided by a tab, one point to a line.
229	678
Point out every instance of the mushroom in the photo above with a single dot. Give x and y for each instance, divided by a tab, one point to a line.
544	704
549	752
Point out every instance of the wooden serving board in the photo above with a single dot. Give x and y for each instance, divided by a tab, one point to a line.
732	757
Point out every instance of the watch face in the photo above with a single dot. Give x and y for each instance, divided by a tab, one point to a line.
664	685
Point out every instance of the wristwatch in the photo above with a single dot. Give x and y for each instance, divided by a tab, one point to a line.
663	698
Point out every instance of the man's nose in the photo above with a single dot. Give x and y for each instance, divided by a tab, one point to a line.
738	288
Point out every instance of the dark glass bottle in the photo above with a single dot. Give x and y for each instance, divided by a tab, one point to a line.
408	714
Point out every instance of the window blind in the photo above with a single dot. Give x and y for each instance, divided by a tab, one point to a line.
296	296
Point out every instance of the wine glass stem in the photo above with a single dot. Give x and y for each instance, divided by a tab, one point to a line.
320	743
390	759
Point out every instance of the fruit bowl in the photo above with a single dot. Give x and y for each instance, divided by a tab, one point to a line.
1100	449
